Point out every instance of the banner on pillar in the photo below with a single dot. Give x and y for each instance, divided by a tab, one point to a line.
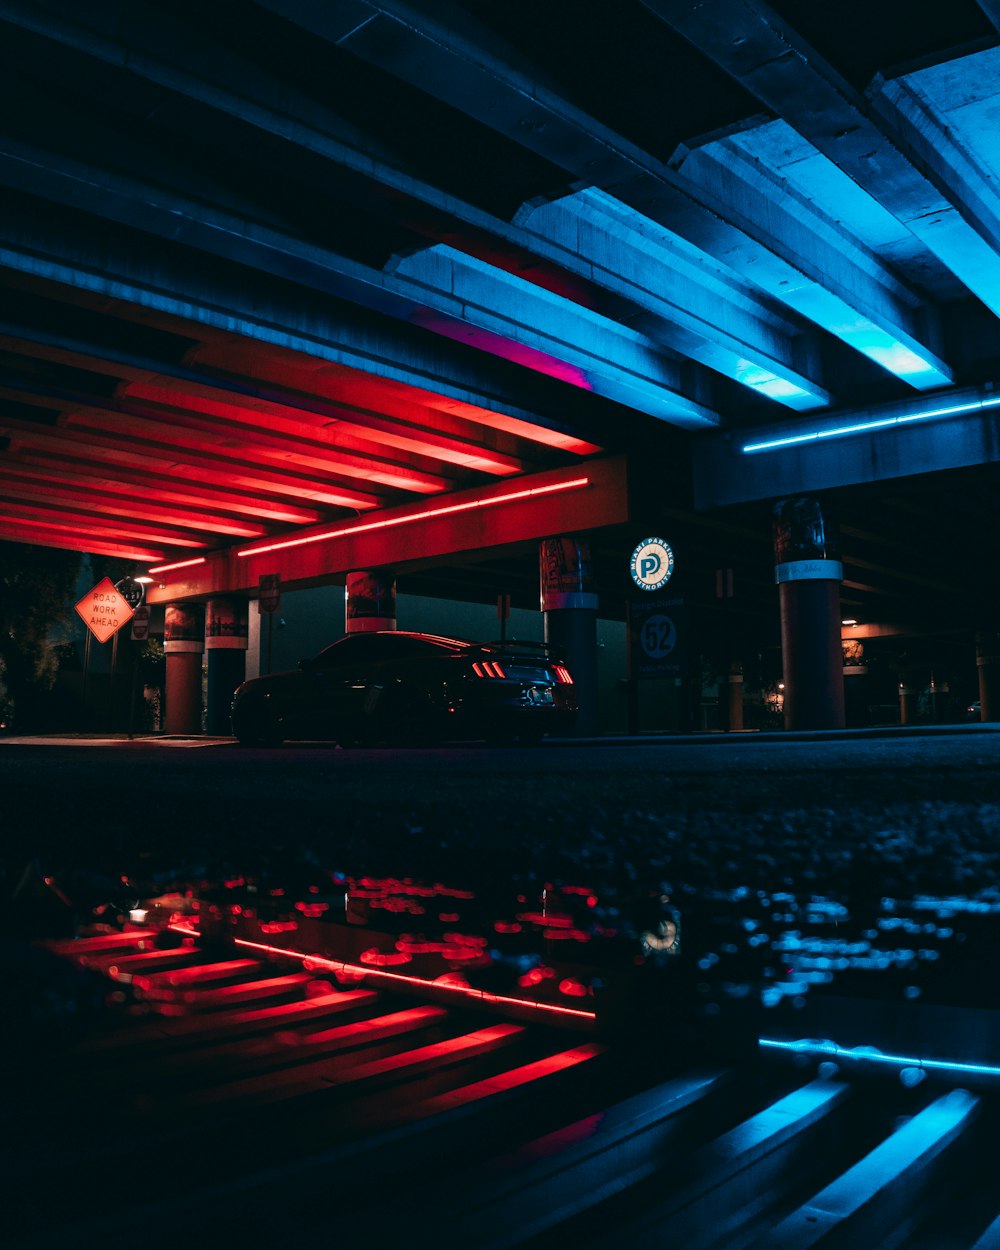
657	637
801	533
565	574
183	627
371	602
226	625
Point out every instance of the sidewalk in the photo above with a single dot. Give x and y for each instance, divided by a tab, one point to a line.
700	738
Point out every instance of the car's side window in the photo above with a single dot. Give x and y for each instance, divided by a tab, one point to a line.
355	649
368	648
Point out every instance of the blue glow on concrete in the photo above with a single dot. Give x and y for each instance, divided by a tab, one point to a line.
764	382
870	1055
716	318
889	352
860	427
903	362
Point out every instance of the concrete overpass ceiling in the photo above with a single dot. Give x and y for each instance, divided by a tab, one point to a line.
269	265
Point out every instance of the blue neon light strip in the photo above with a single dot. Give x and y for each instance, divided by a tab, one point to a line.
860	427
833	1051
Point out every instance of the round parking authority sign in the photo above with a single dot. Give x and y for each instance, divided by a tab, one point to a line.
652	564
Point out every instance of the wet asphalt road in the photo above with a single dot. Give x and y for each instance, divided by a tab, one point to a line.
894	814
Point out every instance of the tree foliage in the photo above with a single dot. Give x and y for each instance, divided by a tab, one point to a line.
36	595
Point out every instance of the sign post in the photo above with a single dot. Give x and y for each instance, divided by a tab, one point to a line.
104	610
503	612
269	591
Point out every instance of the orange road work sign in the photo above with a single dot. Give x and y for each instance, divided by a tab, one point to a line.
103	610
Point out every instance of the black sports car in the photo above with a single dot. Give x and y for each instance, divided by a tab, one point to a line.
400	687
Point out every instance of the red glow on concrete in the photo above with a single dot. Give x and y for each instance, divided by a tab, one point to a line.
180	564
514	1078
334	965
328	1001
376	1027
374	958
431	1056
204	973
573	988
426	514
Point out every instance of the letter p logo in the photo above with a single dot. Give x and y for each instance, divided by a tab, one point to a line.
651	563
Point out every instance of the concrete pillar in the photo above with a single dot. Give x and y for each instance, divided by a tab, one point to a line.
569	609
370	602
183	643
227	630
940	692
808	577
734	719
988	668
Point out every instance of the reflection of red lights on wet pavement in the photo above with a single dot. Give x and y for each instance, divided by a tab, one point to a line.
493	956
374	958
529	1006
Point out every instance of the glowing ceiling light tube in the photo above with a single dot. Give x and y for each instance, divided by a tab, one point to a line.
467	991
181	564
859	427
444	510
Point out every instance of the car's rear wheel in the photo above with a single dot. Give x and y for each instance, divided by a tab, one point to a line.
400	717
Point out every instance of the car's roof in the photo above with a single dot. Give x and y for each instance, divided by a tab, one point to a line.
411	633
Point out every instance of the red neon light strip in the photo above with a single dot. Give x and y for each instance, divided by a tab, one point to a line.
574	484
181	564
362	970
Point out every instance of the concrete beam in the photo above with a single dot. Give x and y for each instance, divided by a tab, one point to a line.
848	448
825	272
280	316
467	521
401	431
405	39
750	41
161	52
503	314
86	472
942	114
705	311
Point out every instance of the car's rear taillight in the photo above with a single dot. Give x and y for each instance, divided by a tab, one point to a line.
562	674
488	668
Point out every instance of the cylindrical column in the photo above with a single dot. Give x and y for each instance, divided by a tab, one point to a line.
808	577
183	643
226	635
908	695
988	668
569	609
370	602
735	684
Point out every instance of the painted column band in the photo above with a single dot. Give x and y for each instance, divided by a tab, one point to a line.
370	602
227	625
565	574
183	628
809	570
